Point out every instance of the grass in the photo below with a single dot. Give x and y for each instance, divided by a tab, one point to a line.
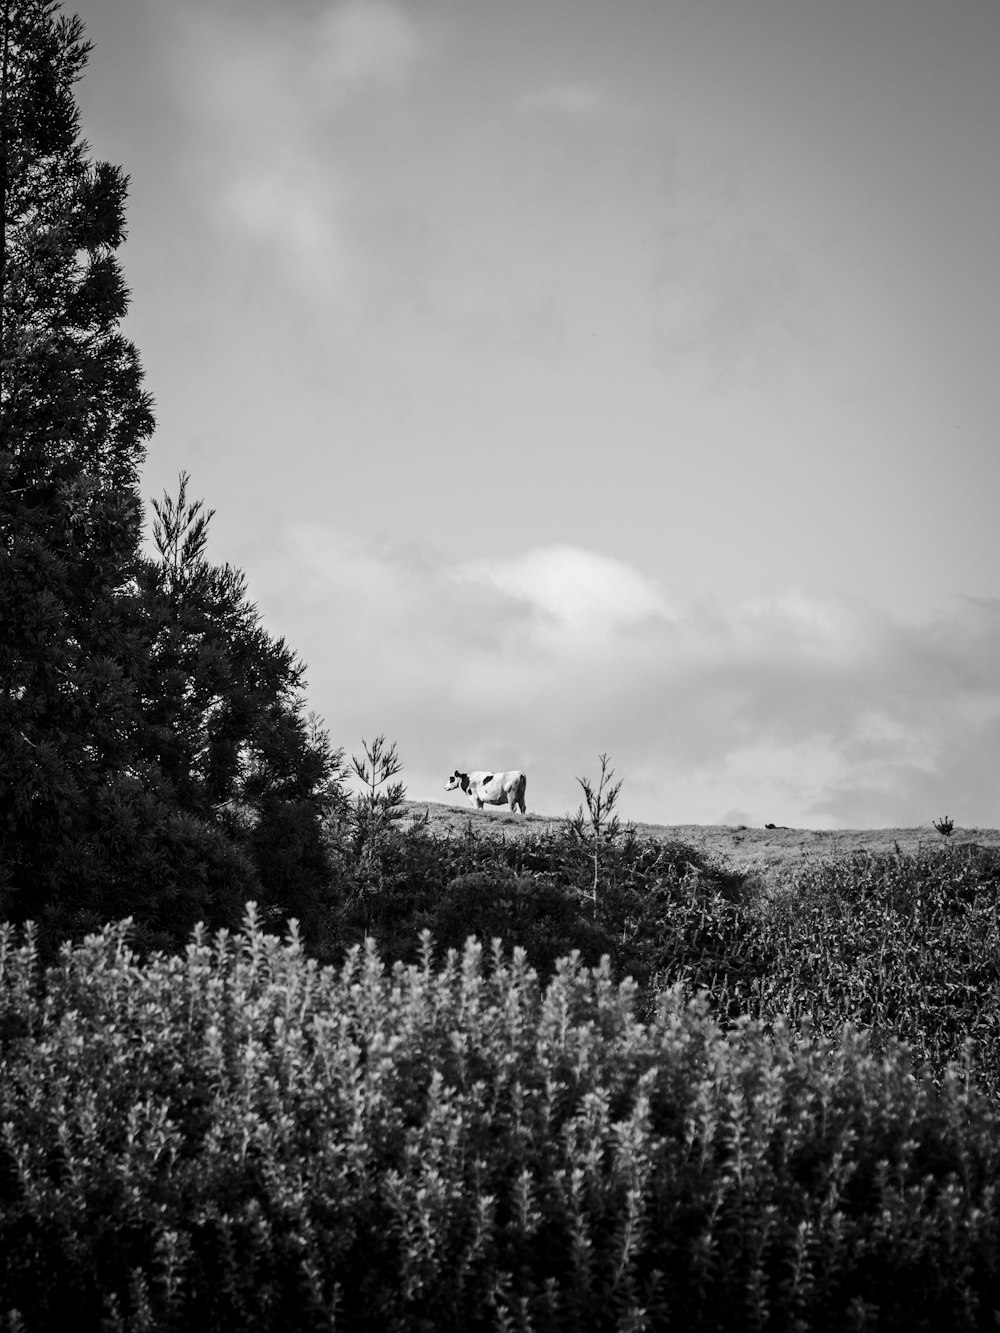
775	854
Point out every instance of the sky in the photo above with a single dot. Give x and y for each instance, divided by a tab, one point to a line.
581	377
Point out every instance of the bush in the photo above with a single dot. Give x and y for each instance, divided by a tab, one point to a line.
241	1139
543	919
907	946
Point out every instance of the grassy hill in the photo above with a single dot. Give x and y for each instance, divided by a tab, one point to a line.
775	853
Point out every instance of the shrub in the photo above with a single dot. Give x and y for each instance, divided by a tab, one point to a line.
241	1139
543	919
907	946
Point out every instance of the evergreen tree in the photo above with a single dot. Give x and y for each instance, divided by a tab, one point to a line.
224	718
154	756
73	421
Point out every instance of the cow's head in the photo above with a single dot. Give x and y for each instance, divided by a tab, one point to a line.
457	780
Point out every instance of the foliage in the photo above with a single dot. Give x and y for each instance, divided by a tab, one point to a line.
73	421
155	758
908	946
224	725
945	826
600	826
545	920
373	811
240	1139
904	945
665	911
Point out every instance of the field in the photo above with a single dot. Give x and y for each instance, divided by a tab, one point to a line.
775	853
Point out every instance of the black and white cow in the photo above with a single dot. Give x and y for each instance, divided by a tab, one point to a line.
487	788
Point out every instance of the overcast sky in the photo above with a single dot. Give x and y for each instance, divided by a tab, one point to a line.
574	376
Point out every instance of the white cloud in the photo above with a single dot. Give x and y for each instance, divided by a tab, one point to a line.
822	713
571	589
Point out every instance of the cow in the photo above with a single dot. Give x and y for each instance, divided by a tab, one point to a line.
486	788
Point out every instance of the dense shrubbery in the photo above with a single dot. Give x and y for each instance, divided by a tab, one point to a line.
907	945
240	1139
659	904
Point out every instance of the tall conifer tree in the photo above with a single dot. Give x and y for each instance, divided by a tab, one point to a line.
154	756
74	418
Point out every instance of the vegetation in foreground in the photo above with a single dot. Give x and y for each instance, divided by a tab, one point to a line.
239	1138
905	945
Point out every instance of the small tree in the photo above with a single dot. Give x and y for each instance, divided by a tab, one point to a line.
945	826
600	826
375	811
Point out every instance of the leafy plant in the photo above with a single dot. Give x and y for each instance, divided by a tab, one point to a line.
373	816
600	825
380	764
236	1138
907	946
945	826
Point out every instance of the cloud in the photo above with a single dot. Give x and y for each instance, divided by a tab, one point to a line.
795	708
262	99
570	590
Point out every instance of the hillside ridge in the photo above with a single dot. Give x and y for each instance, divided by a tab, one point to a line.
780	849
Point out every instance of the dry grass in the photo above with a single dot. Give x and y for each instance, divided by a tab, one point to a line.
775	854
